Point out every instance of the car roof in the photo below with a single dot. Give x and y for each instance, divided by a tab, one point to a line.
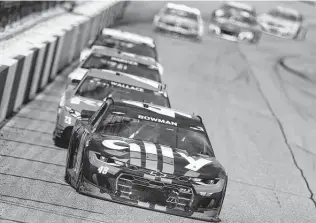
183	8
127	56
240	5
128	36
160	110
288	10
123	78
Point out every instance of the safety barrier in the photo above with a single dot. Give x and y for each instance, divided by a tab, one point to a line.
27	67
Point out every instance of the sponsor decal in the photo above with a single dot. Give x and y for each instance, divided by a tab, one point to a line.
151	149
103	169
127	86
124	61
159	120
194	165
67	120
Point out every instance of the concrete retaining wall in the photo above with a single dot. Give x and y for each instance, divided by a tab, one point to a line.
28	66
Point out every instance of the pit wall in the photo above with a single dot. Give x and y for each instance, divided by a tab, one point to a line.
29	65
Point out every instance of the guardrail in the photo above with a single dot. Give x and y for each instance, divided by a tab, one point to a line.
13	11
29	66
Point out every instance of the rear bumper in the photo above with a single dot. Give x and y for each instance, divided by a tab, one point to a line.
231	36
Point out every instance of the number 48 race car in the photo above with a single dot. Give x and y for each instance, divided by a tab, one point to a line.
147	156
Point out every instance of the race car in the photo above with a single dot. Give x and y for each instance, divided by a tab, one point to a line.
283	22
179	19
131	43
93	88
148	156
235	21
100	58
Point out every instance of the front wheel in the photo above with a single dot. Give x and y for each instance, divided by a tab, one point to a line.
256	39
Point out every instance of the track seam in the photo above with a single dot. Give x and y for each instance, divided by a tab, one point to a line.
281	129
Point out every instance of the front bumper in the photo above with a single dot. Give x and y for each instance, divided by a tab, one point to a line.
231	35
177	29
138	188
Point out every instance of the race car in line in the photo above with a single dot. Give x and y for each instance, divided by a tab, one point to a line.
283	22
179	19
148	156
94	87
235	21
115	60
127	42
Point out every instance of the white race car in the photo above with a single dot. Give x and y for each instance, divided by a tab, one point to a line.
121	62
283	22
127	42
180	19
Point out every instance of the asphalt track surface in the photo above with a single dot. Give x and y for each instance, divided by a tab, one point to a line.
260	118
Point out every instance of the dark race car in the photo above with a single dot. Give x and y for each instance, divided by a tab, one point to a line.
141	46
235	22
148	156
93	89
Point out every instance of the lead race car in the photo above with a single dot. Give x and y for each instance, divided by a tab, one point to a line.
283	22
180	19
235	21
148	156
91	91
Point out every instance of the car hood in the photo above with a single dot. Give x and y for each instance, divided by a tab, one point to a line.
158	158
79	103
266	19
179	21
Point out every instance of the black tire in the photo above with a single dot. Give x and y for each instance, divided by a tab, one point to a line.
256	39
59	142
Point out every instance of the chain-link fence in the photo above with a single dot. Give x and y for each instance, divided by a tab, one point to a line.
13	11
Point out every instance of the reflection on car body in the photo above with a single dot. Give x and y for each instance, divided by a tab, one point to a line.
148	156
283	22
235	22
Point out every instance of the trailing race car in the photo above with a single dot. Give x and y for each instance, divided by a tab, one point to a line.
180	19
127	42
235	21
283	22
95	86
115	60
148	156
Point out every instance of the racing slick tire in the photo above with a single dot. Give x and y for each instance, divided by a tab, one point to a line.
256	39
63	140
